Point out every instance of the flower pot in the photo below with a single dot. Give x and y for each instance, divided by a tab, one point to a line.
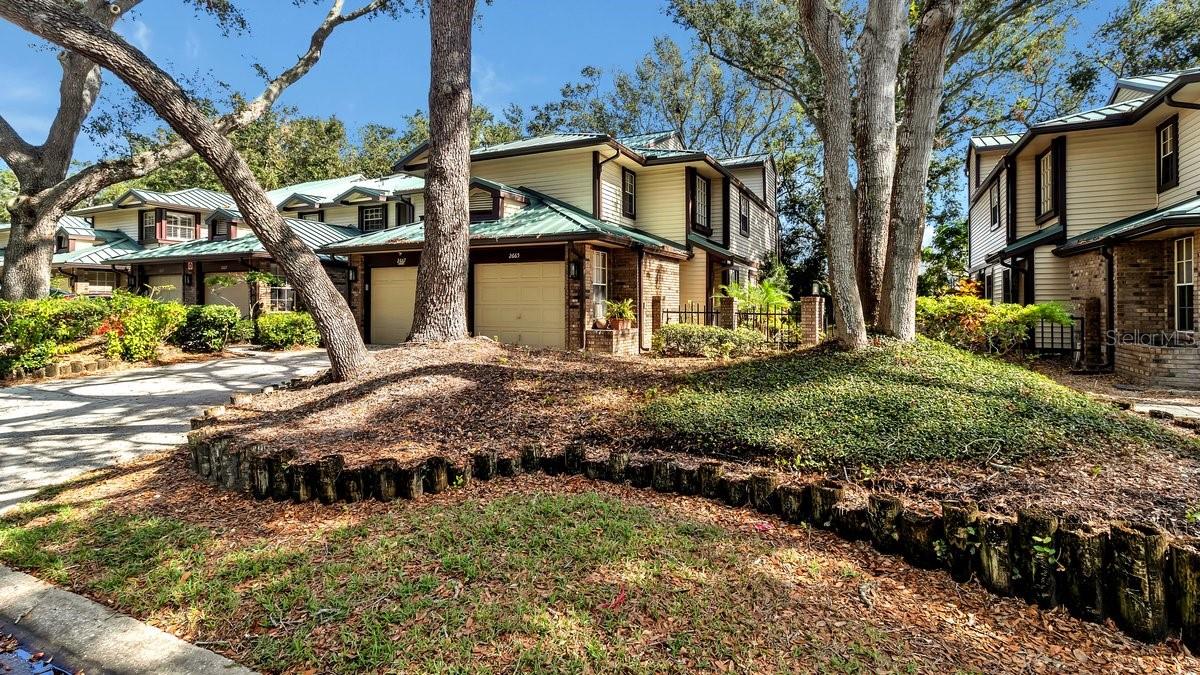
600	324
620	324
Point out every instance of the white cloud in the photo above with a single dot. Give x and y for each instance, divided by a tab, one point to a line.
141	35
487	85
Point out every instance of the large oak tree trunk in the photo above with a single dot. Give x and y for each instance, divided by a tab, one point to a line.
70	30
441	309
875	142
923	100
30	251
823	33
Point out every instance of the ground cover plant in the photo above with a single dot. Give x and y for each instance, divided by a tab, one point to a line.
536	574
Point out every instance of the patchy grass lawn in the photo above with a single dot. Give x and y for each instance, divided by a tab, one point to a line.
534	574
890	404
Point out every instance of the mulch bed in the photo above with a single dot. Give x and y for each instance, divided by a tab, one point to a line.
931	622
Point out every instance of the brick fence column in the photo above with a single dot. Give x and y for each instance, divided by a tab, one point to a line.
812	319
656	313
727	311
1093	333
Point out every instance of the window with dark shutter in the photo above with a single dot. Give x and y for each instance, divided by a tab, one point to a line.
628	193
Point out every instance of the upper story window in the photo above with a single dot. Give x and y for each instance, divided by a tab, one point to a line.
701	206
628	193
220	229
1168	154
371	218
309	215
744	214
1047	182
149	226
61	243
180	226
994	205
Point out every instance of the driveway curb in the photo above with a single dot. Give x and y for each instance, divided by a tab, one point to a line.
90	636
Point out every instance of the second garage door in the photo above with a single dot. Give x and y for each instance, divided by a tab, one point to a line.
393	294
167	287
237	295
522	303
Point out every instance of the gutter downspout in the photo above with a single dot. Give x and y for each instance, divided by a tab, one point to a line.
1110	307
641	253
1170	100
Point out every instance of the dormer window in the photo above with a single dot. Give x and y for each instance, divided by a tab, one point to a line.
179	226
149	227
372	218
628	193
1168	154
61	244
220	230
744	214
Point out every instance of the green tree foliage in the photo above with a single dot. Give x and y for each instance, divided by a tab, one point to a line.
945	261
1143	36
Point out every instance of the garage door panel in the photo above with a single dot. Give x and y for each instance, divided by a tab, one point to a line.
237	295
393	297
160	282
521	303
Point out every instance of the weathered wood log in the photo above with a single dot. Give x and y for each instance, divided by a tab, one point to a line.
458	473
259	476
574	456
687	478
663	472
710	479
437	480
240	398
1084	559
850	520
350	487
735	489
277	468
529	459
509	466
995	563
822	496
203	452
485	464
883	519
1035	556
387	484
553	463
329	468
302	481
638	471
216	459
922	537
1185	590
618	463
960	519
793	503
596	468
1136	580
763	487
411	480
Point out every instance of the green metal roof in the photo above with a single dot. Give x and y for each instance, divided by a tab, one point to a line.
117	245
1187	211
646	140
1101	114
312	233
544	217
746	160
713	247
994	142
1151	83
1030	241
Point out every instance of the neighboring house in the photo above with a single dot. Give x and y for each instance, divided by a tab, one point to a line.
561	223
1099	210
81	257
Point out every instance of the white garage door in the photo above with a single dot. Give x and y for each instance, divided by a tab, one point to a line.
237	295
393	294
522	303
160	282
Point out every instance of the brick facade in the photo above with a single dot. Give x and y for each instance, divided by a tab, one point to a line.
1165	367
660	277
1141	278
618	342
358	292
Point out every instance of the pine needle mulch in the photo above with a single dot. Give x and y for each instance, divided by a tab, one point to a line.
529	574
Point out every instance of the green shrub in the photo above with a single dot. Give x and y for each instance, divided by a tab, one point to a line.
243	331
207	328
973	323
687	339
284	330
139	325
33	332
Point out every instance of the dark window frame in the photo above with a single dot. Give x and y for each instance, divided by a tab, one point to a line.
214	235
1172	180
697	225
628	197
154	213
994	208
319	214
1055	179
378	205
743	213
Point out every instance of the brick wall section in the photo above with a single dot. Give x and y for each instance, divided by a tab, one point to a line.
619	342
1167	367
358	292
660	277
812	319
1141	287
191	292
1089	299
579	295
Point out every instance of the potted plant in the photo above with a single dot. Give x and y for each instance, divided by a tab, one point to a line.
620	313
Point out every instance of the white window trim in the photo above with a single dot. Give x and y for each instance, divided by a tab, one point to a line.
174	234
381	221
599	281
152	226
1184	270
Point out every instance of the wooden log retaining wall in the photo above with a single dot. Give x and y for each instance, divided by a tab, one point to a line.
1146	580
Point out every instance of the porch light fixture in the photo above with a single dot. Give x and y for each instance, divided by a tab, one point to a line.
187	280
352	274
573	270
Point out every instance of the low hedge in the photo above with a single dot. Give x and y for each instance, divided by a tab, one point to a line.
686	339
138	325
33	332
978	324
207	328
284	330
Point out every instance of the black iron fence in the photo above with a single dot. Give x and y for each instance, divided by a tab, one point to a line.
782	329
1052	338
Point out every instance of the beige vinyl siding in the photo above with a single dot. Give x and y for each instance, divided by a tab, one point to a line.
762	232
716	207
121	220
509	207
739	243
987	163
772	186
1110	175
693	280
984	239
662	202
1026	220
4	238
1189	160
481	200
565	175
1051	277
752	176
610	195
1124	94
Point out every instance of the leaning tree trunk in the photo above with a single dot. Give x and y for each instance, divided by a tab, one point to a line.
875	142
29	254
441	306
823	33
68	29
923	100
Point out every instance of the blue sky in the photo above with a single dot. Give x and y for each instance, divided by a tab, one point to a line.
375	71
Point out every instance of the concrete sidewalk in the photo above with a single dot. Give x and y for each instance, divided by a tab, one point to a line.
55	430
94	638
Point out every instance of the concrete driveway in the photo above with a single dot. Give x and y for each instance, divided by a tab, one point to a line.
53	431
